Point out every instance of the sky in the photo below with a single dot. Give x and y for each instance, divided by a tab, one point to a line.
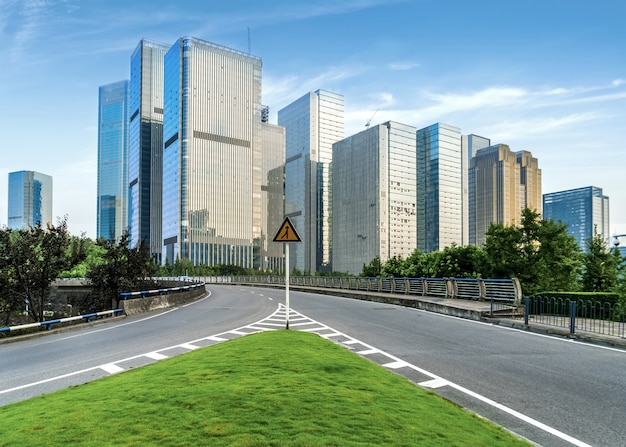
544	76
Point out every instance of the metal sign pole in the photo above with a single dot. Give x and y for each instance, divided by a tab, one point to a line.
287	285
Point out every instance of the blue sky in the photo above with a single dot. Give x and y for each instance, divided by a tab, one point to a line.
546	76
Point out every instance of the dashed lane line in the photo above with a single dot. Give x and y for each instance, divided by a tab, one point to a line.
306	324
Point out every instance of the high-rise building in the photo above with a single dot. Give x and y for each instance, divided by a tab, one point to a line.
212	152
145	152
502	183
470	144
374	196
272	196
583	210
112	207
30	199
313	123
441	182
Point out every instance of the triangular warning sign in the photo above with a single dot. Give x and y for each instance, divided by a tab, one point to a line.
287	233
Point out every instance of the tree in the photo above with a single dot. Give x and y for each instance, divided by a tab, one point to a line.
373	269
123	269
32	259
600	273
540	253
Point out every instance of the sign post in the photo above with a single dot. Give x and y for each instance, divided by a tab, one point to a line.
286	234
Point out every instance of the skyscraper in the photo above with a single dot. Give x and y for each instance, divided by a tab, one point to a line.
582	210
272	196
470	144
30	199
374	196
313	123
145	162
212	152
502	184
112	207
441	182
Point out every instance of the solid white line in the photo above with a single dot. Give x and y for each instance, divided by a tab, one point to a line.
481	398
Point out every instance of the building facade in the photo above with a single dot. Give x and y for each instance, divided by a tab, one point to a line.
112	206
145	161
374	196
470	144
30	199
502	183
583	210
313	123
272	197
441	187
212	152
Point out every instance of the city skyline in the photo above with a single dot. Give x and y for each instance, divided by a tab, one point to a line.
552	83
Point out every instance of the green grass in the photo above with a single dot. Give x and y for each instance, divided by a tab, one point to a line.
281	388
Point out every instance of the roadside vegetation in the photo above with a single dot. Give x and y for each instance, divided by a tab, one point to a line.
540	253
280	388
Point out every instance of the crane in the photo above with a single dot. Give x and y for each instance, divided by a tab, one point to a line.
370	120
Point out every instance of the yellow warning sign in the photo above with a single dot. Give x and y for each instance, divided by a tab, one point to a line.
287	233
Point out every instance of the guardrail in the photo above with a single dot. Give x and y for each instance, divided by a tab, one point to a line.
49	323
582	315
506	292
164	291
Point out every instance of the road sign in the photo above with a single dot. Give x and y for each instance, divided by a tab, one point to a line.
287	233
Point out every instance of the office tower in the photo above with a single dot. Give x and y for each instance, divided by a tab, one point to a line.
440	187
470	144
313	123
582	209
30	199
145	162
502	184
112	207
211	154
272	196
374	196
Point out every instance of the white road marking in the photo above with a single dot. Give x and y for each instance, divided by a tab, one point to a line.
396	363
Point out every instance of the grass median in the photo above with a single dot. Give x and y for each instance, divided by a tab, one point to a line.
280	388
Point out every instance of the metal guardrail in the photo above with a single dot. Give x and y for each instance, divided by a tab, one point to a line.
49	323
164	291
501	292
576	315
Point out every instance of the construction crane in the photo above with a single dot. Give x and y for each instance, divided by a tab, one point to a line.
370	120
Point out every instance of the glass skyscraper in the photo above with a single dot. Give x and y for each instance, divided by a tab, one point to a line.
112	207
313	123
272	197
441	186
502	183
145	161
30	199
374	196
212	152
582	210
470	145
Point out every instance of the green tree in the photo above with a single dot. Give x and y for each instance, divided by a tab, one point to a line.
393	268
32	259
600	273
373	269
124	269
540	253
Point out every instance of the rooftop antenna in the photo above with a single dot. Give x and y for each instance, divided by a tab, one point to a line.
248	40
370	120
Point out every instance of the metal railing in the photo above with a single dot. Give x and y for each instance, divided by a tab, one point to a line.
501	292
47	324
576	315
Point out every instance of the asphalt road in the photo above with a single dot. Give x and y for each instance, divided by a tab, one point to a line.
555	392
